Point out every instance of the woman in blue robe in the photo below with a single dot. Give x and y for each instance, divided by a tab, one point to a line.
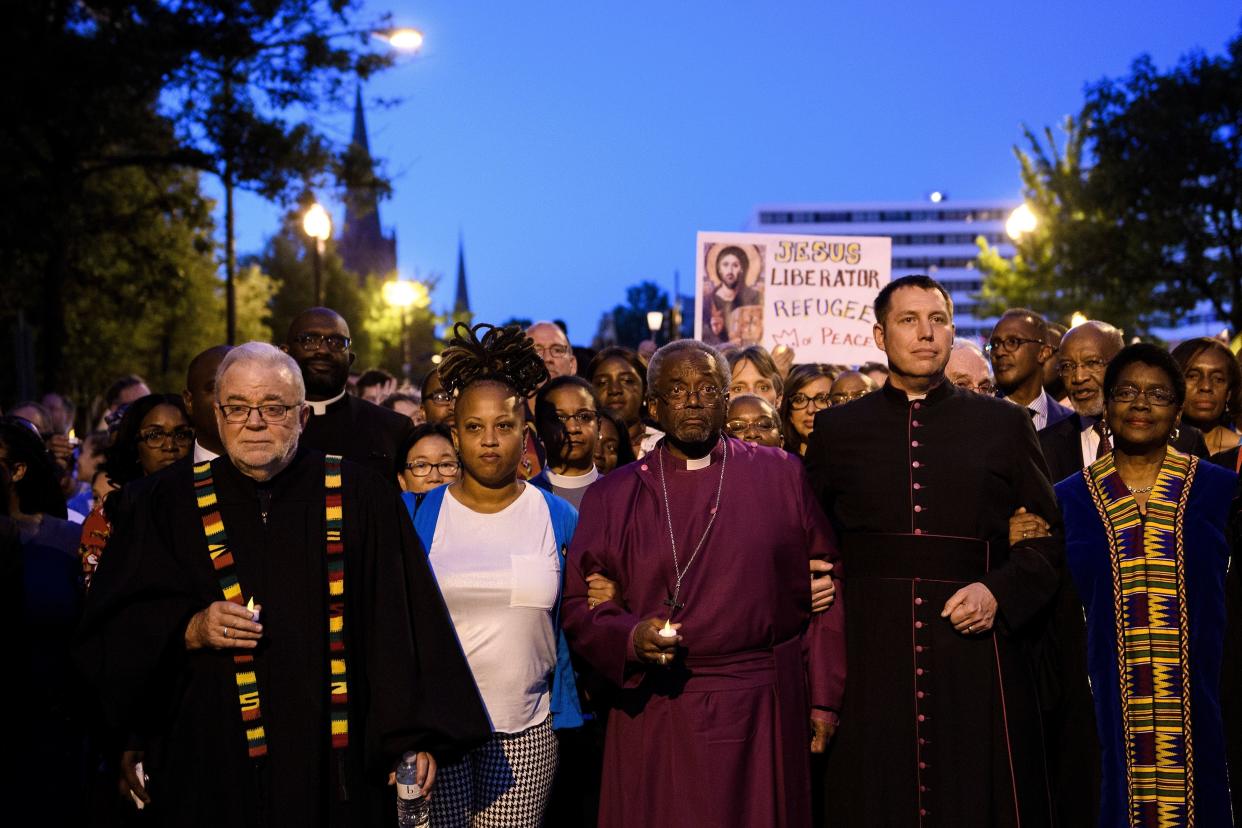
1147	546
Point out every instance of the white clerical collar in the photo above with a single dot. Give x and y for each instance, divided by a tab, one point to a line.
203	455
913	397
576	481
696	463
320	407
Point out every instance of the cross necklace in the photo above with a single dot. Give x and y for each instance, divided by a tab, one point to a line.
679	571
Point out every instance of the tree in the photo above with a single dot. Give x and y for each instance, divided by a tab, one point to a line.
113	87
1168	171
630	319
1151	228
1064	264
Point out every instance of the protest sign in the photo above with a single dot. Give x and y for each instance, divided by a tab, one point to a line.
811	293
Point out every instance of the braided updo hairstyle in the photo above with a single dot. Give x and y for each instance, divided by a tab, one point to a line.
504	355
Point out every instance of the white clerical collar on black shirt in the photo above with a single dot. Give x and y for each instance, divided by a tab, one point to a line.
203	455
320	407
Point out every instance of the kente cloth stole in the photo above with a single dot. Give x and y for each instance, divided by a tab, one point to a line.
226	572
1153	636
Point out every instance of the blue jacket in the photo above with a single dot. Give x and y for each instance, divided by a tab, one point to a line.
566	711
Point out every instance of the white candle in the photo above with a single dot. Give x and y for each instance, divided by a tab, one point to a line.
667	631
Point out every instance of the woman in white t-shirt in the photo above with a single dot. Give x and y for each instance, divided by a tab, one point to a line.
497	545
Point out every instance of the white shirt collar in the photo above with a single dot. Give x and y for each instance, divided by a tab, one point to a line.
203	455
696	463
320	407
577	481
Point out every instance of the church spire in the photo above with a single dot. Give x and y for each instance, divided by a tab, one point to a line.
360	123
462	303
365	248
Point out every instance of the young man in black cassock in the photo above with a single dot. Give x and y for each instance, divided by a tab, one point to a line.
283	719
340	423
940	724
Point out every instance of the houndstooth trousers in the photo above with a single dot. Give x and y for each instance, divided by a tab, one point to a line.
503	783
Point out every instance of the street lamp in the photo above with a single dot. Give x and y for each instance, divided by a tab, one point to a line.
402	295
317	224
404	39
1020	222
654	320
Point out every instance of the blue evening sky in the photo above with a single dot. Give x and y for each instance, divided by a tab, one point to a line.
578	146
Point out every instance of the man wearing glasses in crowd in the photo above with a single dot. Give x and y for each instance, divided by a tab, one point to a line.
968	368
1019	348
318	340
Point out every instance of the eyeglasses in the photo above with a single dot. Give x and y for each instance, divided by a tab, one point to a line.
156	437
582	418
440	397
557	351
736	427
846	396
1159	396
1010	344
313	341
421	468
269	412
1095	365
800	401
678	395
986	388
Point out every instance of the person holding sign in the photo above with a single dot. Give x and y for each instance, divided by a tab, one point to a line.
711	641
941	719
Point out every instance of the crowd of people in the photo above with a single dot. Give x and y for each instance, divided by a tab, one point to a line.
971	586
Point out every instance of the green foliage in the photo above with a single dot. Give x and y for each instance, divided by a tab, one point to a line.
1140	212
630	319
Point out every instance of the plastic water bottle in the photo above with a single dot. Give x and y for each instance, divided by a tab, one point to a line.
413	809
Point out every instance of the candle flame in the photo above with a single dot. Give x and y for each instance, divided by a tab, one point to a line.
250	604
668	627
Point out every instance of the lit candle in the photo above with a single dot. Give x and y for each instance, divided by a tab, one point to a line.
667	631
254	613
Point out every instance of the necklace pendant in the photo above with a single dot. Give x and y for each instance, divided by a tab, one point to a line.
672	604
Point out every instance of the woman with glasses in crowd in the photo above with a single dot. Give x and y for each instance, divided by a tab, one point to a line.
1147	547
154	432
807	392
497	546
430	459
567	419
754	419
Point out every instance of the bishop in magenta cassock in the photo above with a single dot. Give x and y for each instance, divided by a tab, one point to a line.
712	726
941	720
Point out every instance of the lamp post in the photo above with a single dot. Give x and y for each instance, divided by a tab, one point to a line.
654	320
402	295
317	224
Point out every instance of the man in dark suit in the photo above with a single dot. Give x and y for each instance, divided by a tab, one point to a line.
1019	350
318	340
1076	441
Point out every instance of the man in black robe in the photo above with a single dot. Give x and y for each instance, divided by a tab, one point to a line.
940	724
158	640
340	423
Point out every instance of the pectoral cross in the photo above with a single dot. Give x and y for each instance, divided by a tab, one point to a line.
672	605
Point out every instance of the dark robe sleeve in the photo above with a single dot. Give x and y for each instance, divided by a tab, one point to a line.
825	637
819	467
1029	578
423	695
602	636
131	642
